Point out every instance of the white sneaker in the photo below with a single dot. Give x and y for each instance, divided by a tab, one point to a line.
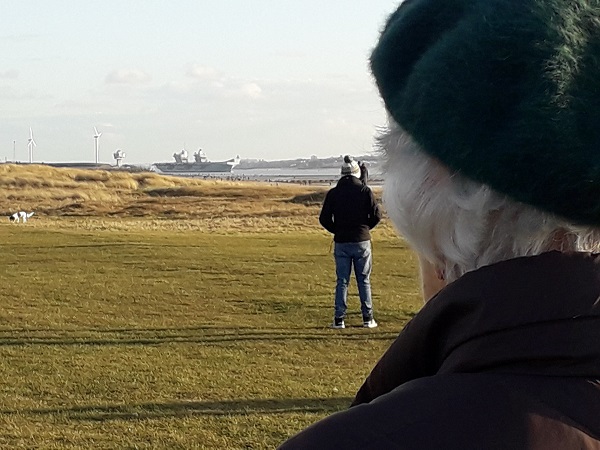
370	323
338	323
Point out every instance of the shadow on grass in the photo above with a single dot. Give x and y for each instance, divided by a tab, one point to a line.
197	335
191	408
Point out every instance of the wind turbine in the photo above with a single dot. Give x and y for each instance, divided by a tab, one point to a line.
30	144
96	137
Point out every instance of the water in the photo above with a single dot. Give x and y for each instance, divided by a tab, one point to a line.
291	175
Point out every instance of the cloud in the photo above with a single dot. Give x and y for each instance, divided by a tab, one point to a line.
204	73
10	74
251	90
128	76
213	82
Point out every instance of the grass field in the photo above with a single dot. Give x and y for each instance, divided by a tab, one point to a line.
200	321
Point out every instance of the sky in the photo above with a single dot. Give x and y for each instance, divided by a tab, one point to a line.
262	79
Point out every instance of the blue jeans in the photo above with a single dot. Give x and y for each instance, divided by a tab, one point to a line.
357	254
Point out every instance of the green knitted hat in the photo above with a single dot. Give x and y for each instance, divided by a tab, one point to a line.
506	92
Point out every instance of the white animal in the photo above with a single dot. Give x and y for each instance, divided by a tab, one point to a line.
20	216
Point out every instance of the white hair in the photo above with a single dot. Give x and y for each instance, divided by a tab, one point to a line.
459	225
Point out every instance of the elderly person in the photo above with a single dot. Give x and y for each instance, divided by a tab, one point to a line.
493	176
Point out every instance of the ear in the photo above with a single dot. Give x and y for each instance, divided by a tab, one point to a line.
432	279
440	273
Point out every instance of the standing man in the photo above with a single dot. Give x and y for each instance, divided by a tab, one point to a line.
350	212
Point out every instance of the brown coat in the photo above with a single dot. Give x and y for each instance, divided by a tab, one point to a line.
506	357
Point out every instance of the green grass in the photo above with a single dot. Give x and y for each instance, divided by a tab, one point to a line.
158	338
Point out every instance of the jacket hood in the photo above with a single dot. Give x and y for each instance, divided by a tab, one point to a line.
535	315
527	316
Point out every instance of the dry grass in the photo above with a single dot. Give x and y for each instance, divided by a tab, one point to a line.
97	193
200	323
154	202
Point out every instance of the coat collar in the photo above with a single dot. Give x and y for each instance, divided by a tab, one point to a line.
535	315
349	179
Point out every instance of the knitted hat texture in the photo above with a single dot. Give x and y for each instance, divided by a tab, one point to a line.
350	167
506	92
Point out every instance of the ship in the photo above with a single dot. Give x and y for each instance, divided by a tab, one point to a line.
200	165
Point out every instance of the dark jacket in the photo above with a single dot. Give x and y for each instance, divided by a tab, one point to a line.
350	211
507	357
364	172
